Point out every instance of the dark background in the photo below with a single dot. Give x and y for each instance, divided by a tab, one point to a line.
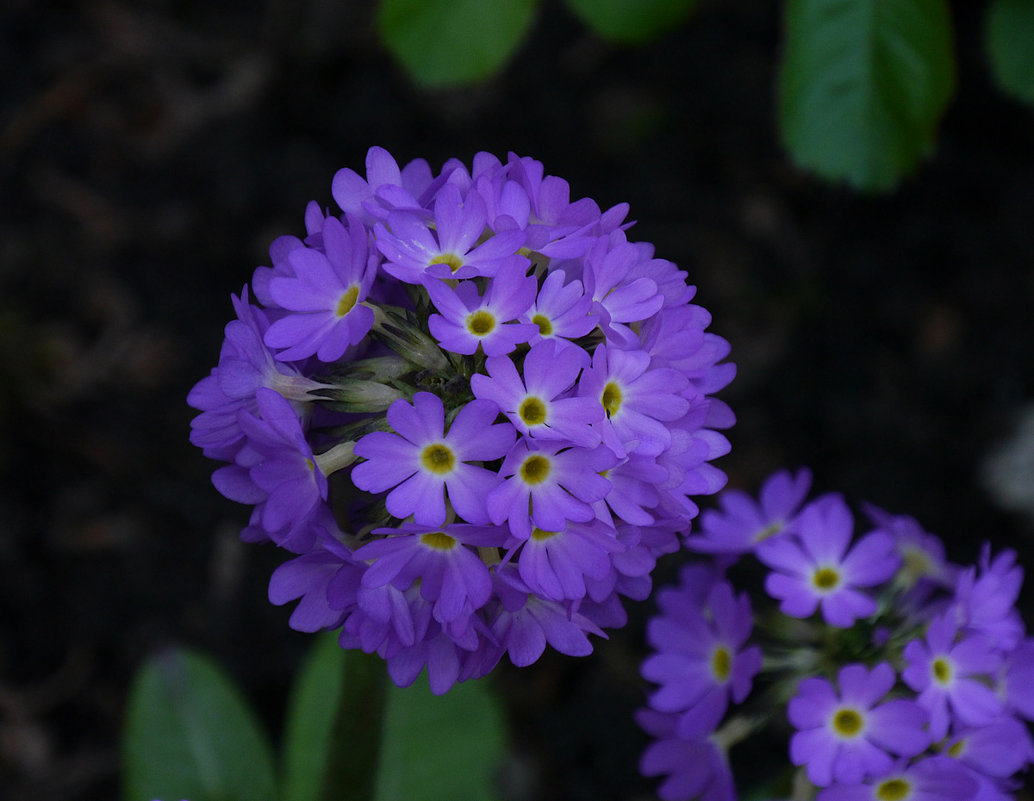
150	151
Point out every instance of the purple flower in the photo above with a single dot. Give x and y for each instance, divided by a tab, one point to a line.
325	296
556	564
936	778
561	311
638	401
999	749
469	320
451	575
744	522
277	471
701	662
952	676
985	599
537	404
696	767
452	251
422	462
815	569
848	736
548	485
412	334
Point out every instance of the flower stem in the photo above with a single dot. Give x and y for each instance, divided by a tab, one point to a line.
355	740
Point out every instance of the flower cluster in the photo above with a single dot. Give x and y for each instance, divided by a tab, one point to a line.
886	672
471	408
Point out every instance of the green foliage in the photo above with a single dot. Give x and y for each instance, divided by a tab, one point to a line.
863	86
311	709
632	21
438	747
190	734
450	42
1010	45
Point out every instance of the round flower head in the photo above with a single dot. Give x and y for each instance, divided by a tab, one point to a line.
481	440
816	570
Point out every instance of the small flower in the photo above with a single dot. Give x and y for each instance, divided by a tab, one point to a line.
414	253
848	736
936	778
422	462
815	569
537	404
744	522
638	401
696	767
325	296
701	662
547	485
469	320
556	564
561	311
952	676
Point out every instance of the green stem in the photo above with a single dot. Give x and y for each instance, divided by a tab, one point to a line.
355	739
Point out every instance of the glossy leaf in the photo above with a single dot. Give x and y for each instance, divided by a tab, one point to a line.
1010	44
632	21
190	734
441	747
449	42
863	85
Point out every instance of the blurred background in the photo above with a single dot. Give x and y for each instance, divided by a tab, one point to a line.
149	153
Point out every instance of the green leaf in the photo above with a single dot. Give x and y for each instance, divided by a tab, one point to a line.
190	734
315	698
863	85
632	21
1010	43
449	42
441	747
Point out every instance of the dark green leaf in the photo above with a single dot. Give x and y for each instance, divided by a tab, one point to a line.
314	701
190	734
449	42
863	86
441	747
1010	43
632	21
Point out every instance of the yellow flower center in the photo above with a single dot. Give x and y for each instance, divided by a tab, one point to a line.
480	323
721	663
544	324
825	578
438	459
539	535
347	301
847	722
453	261
438	540
941	669
532	411
611	398
894	790
535	469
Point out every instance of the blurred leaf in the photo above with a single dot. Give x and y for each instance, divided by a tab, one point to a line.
190	734
448	42
863	86
314	701
632	21
441	747
1010	43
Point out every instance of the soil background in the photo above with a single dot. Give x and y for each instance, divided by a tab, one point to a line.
150	152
